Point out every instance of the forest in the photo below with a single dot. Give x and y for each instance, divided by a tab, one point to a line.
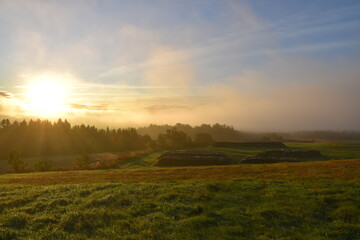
45	138
36	138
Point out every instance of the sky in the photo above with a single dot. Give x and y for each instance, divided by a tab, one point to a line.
256	65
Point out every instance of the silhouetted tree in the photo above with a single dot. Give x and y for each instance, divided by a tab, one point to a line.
174	139
203	139
16	162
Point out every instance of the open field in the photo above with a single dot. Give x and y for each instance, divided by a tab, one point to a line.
331	150
336	169
310	200
304	200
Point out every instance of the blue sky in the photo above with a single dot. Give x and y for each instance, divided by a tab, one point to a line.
257	65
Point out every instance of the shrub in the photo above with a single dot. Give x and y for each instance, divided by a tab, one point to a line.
43	165
82	162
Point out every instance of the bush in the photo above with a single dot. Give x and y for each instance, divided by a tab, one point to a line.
43	165
82	162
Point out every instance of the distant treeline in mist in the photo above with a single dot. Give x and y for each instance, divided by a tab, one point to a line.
219	132
45	138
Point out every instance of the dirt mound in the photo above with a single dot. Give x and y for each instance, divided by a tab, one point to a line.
250	144
192	158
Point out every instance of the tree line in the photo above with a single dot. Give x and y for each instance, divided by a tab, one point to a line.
36	138
219	132
45	138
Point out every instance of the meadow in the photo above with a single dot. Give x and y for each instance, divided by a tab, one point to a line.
309	200
304	200
331	150
140	159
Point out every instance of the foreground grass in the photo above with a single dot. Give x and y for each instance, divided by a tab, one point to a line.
237	209
307	200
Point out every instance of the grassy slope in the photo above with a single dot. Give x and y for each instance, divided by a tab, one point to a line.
318	200
242	209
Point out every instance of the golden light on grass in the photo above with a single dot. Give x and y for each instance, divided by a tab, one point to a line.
46	96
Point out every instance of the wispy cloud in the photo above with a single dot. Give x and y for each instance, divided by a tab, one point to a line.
154	109
5	94
103	107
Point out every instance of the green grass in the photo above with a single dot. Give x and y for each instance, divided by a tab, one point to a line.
143	161
238	209
307	200
331	150
334	150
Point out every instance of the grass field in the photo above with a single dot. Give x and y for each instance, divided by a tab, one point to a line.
238	209
304	200
309	200
334	150
327	170
331	150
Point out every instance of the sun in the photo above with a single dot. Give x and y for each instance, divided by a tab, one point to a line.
46	97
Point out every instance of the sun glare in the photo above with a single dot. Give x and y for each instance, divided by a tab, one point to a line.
46	97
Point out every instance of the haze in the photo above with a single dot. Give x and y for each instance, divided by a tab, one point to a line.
256	65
